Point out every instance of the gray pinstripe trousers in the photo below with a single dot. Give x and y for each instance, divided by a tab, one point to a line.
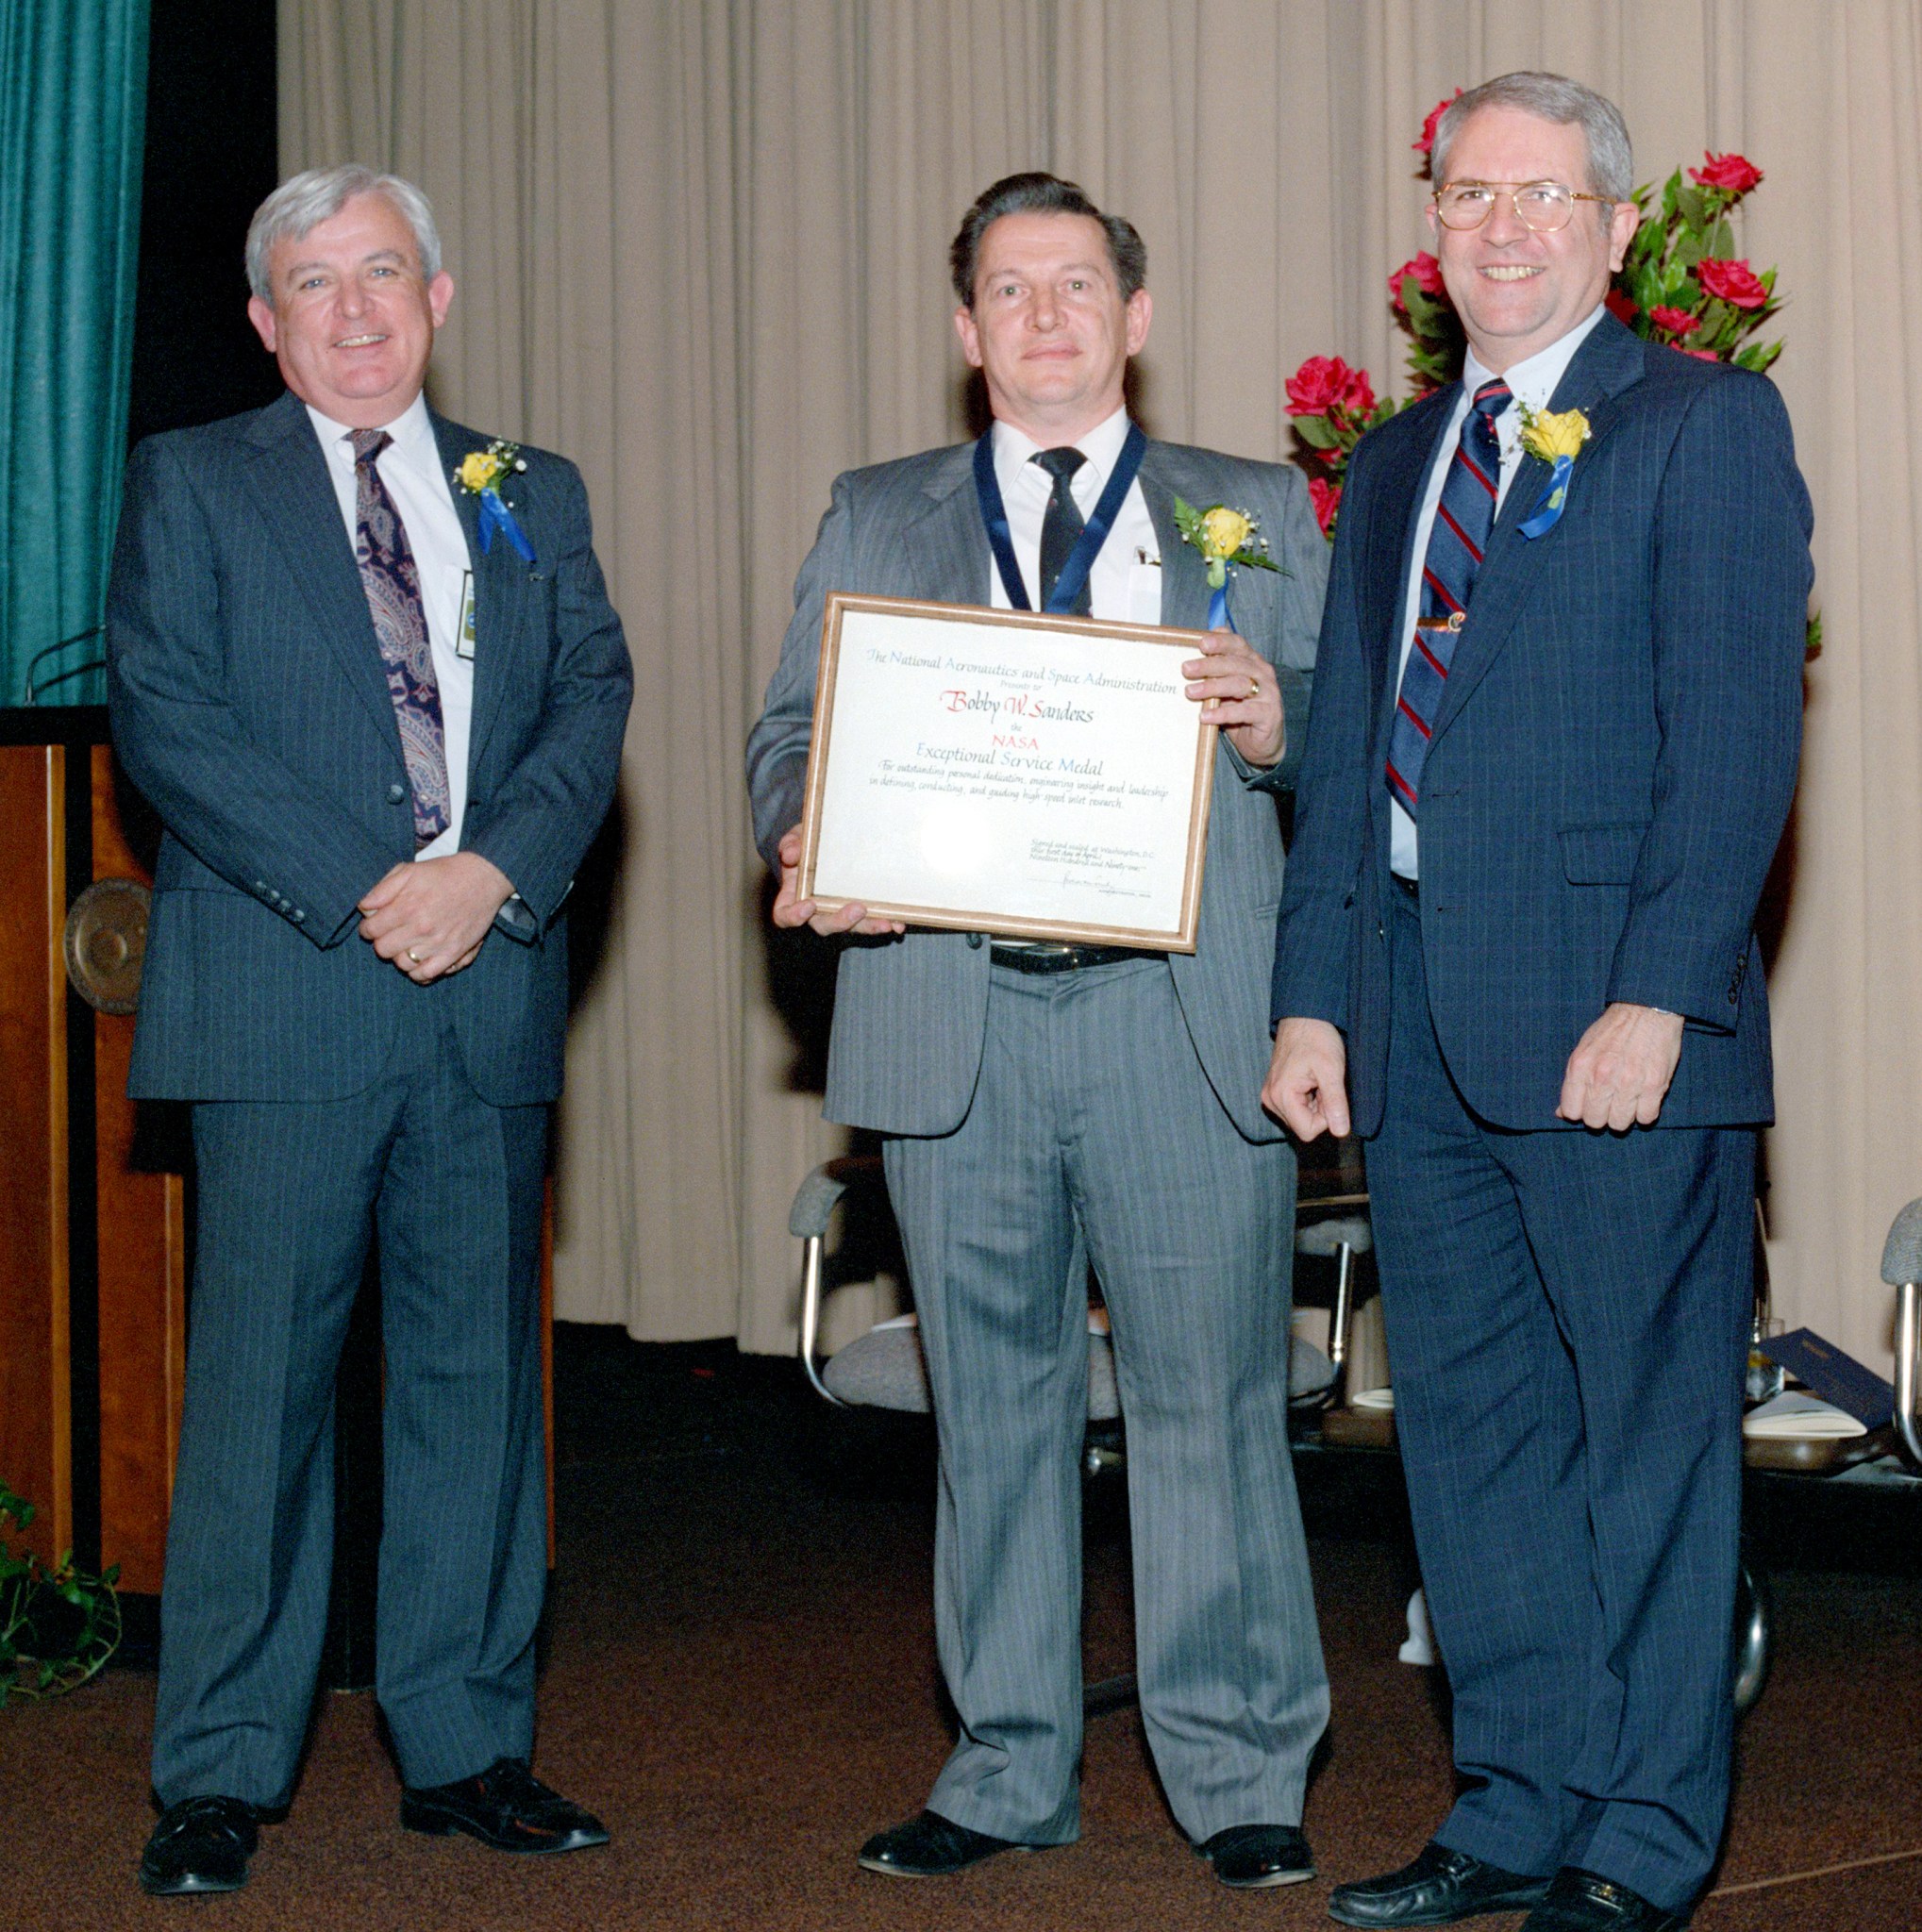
1094	1134
290	1195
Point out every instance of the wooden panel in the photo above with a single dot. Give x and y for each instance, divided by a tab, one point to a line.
142	1271
36	1450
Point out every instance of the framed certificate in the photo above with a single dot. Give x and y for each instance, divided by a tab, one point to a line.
1002	772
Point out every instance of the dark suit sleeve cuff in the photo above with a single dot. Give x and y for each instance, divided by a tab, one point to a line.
517	920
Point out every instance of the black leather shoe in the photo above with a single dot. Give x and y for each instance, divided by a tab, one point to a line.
1249	1856
932	1846
1437	1888
505	1806
200	1844
1585	1902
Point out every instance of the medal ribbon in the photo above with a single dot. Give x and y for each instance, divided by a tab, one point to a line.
1081	558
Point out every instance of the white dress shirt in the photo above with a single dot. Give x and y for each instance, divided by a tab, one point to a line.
410	467
1126	581
1534	383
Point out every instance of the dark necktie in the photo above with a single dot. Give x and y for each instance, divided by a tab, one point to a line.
1062	527
391	580
1463	518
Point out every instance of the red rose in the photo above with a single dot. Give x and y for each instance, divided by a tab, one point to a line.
1701	354
1674	321
1426	272
1322	383
1327	499
1729	173
1734	282
1621	307
1358	393
1426	145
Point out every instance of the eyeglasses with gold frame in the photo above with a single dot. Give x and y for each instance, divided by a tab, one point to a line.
1541	206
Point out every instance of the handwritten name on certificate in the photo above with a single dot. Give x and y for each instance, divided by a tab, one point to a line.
1036	776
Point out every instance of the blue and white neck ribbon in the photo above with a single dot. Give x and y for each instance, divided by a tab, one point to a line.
495	515
1087	546
1547	512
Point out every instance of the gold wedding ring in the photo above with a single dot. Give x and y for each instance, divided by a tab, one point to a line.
413	956
1254	687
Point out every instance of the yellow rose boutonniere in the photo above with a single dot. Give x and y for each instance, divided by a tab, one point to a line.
1225	538
1557	438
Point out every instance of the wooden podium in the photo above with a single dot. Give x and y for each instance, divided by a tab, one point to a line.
95	1217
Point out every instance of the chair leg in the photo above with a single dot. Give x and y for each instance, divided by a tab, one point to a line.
1907	1346
1338	1324
1753	1624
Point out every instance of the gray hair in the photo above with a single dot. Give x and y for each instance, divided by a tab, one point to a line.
1036	194
1551	97
303	202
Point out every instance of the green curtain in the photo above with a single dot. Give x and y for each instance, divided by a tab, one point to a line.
73	118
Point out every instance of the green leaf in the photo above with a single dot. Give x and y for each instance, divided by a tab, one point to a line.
1694	209
1312	430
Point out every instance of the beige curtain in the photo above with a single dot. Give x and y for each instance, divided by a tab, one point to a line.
700	249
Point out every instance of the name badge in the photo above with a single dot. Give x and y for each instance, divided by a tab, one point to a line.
463	631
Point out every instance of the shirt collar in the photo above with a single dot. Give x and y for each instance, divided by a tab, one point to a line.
412	432
1534	382
1014	453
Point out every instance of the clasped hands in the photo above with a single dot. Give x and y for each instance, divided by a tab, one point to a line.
1617	1076
1234	680
428	916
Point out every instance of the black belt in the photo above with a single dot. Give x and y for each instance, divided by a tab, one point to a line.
1053	959
1411	889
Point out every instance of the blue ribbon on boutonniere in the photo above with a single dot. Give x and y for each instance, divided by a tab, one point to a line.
479	475
1557	439
495	515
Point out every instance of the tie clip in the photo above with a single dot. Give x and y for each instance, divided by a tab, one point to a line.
1454	620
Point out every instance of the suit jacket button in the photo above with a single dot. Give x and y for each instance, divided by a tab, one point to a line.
396	793
974	941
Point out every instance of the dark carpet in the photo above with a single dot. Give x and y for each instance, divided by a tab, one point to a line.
739	1677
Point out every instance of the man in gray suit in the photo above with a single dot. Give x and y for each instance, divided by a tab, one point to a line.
1044	1106
380	719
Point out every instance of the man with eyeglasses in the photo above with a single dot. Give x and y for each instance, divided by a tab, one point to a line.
1556	723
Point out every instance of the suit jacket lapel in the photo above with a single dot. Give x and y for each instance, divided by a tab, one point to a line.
296	498
503	592
1608	363
1184	577
942	540
1406	464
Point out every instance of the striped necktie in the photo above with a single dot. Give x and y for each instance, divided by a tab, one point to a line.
391	580
1463	518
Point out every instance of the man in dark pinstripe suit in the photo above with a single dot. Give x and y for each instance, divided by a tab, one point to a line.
379	748
1044	1107
1555	738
